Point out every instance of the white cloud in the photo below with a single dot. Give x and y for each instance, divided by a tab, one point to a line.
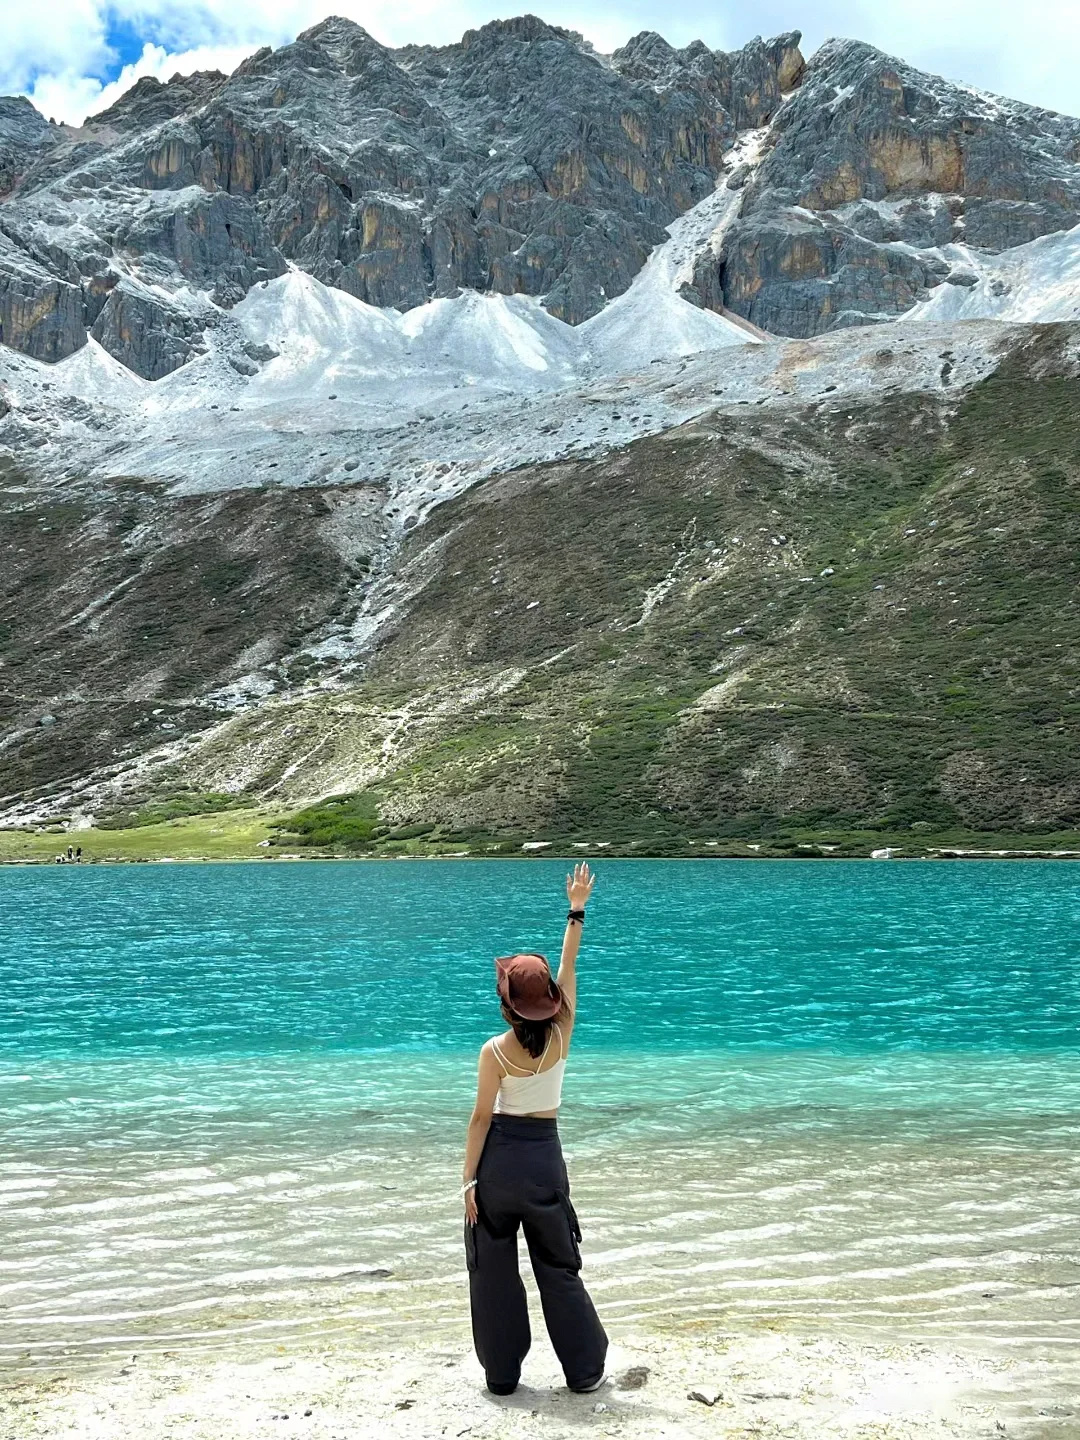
71	97
65	36
59	52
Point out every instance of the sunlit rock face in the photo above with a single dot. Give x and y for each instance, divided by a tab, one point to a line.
871	160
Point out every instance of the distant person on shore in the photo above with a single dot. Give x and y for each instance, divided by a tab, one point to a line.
515	1174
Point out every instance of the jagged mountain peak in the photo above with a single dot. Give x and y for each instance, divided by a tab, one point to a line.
520	162
25	135
151	102
20	120
844	63
521	29
648	55
841	50
343	42
332	29
646	46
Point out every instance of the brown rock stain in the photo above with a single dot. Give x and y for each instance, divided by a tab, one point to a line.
242	168
918	162
25	316
903	160
632	170
841	187
568	176
802	258
790	72
633	129
796	357
168	159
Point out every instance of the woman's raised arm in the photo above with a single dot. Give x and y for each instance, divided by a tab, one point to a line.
578	889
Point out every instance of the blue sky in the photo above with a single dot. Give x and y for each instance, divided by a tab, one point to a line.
124	39
75	56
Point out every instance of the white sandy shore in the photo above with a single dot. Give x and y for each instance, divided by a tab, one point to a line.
769	1385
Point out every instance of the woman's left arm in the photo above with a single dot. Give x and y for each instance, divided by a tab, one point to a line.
487	1087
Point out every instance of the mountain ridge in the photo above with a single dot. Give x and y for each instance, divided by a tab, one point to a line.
327	153
516	161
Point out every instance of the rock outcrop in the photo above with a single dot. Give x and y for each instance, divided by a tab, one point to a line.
869	159
24	136
41	315
146	336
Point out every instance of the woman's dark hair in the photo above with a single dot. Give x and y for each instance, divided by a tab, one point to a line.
532	1035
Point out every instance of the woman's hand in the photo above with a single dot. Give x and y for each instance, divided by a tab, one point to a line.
579	885
470	1206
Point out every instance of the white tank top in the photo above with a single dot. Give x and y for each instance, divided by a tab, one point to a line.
529	1090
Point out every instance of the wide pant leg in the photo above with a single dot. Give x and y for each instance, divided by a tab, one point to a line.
577	1337
522	1181
500	1311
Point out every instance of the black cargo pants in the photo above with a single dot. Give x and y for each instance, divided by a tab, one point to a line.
521	1180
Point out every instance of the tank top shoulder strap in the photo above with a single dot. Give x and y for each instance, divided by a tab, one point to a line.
506	1064
499	1057
558	1032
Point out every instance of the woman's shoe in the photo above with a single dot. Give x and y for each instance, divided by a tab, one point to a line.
504	1387
592	1385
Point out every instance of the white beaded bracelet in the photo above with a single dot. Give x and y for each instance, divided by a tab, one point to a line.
471	1185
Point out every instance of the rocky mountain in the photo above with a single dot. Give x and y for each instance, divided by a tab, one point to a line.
516	161
520	442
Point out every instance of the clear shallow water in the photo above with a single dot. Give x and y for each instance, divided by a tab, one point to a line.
234	1096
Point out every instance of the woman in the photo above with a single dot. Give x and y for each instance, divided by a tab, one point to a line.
515	1175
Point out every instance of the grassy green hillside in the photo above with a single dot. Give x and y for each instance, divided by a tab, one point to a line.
842	624
848	625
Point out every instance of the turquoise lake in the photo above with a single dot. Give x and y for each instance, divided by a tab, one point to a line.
809	1094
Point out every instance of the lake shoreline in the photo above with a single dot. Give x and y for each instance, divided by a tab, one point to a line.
553	854
820	1125
253	834
708	1381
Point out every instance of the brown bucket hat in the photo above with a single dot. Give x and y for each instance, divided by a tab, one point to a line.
525	983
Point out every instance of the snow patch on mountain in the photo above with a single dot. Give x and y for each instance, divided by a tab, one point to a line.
94	375
651	321
499	343
326	338
1031	284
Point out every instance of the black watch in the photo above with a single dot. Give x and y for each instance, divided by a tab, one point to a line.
578	915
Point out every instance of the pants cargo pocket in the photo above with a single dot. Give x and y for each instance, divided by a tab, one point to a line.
470	1246
575	1227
